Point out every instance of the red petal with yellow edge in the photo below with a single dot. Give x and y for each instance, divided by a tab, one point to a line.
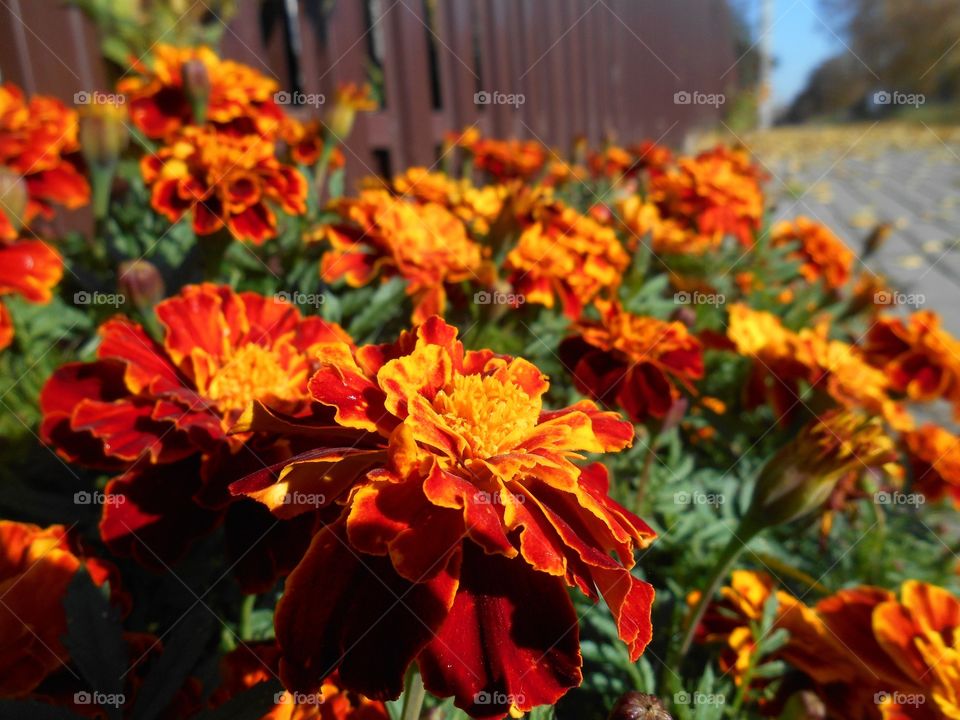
64	185
429	302
128	432
267	319
6	327
353	612
510	640
149	513
610	431
194	320
147	367
30	268
417	375
631	602
359	402
257	224
396	518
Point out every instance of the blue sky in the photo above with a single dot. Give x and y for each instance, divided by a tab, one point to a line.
800	42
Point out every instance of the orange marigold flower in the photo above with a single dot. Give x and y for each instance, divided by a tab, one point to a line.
254	663
565	253
822	254
502	159
224	181
36	567
460	495
305	141
632	361
425	244
30	268
921	359
239	99
38	143
715	194
161	413
478	207
935	457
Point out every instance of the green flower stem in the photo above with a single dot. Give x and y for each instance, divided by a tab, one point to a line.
245	625
320	174
413	695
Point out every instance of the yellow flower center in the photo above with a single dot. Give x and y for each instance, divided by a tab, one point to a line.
253	373
490	415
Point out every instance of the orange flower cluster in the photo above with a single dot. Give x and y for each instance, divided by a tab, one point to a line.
921	359
715	194
822	255
785	359
502	159
477	207
223	181
935	458
161	414
868	654
563	253
38	144
36	567
162	96
458	492
632	361
384	235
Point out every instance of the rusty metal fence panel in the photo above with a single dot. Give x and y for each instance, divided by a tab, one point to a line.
600	68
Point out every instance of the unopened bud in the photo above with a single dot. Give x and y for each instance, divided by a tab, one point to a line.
639	706
349	100
141	282
196	86
103	133
13	198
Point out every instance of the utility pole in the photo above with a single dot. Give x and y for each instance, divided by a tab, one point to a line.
765	90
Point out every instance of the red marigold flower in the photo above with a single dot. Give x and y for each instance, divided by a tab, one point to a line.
30	268
565	253
632	361
305	141
254	663
462	500
502	159
240	99
934	454
161	413
715	194
38	142
36	567
921	359
425	244
224	181
822	254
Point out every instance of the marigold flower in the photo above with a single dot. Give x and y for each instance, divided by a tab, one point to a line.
38	142
632	361
502	159
350	99
478	207
715	194
30	268
934	454
224	181
808	356
306	144
459	495
822	254
383	235
561	252
240	100
160	413
36	567
921	359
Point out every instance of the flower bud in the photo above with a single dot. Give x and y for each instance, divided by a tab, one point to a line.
103	134
13	198
141	282
639	706
349	100
799	478
196	86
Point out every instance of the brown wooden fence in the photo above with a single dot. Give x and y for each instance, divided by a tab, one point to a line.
602	68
